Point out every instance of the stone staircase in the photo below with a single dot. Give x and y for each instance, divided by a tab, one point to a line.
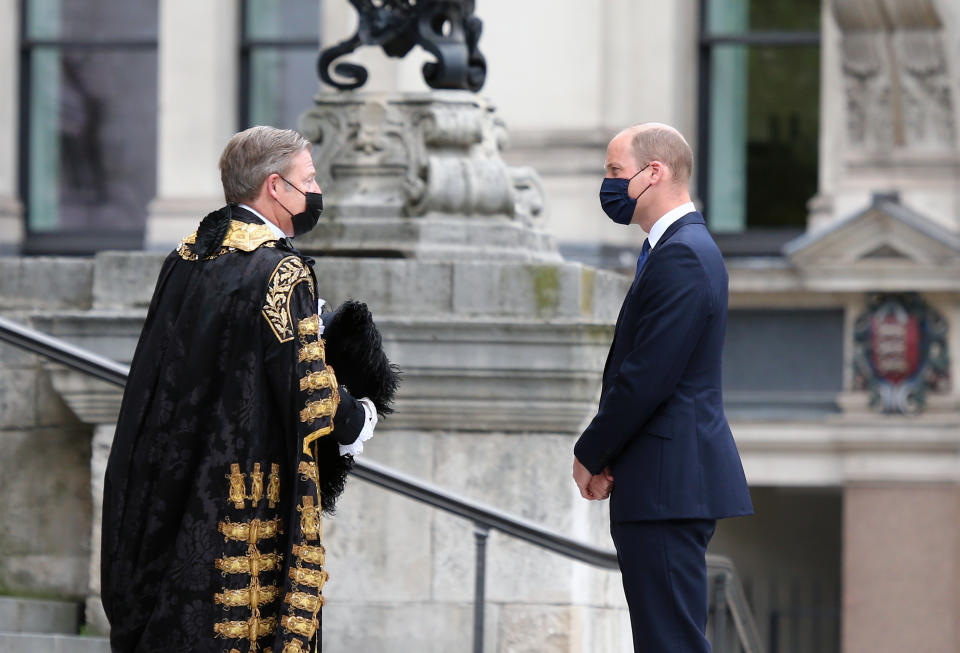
44	626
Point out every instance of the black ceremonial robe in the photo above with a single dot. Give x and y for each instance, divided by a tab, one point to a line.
212	533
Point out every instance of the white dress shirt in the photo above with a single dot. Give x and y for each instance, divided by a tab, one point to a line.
366	433
667	219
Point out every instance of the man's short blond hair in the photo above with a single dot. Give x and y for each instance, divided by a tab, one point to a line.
254	154
658	142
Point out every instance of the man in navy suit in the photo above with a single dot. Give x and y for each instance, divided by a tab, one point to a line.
659	444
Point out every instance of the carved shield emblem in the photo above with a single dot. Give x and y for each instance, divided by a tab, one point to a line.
900	353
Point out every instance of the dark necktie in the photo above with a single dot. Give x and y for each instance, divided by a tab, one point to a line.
642	259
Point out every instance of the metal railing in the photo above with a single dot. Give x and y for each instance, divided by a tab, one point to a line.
727	597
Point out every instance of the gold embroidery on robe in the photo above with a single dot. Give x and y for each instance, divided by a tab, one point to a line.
315	555
251	532
240	235
309	326
312	352
303	601
256	485
252	596
289	273
318	380
273	485
252	629
308	471
310	519
252	564
293	646
299	625
314	436
311	577
237	491
314	410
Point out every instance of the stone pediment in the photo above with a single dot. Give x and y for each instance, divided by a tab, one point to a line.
885	246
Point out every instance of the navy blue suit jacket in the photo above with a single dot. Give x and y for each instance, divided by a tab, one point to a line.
660	425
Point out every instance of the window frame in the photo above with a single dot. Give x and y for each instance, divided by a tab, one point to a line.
247	45
70	242
759	242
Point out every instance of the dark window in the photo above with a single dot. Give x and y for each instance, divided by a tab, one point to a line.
759	112
782	362
279	48
88	136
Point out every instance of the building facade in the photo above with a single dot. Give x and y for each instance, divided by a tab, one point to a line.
828	168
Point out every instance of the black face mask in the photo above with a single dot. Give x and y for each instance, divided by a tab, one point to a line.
306	219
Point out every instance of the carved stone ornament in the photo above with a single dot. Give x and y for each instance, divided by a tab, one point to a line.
897	86
420	175
447	29
900	353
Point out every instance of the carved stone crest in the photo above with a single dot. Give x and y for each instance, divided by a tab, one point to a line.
898	90
900	353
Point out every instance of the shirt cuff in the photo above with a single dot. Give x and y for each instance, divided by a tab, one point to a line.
356	447
320	303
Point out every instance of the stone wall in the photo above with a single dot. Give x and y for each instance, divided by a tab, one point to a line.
501	364
44	448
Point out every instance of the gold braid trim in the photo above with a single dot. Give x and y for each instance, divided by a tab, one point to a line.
237	491
310	577
318	380
251	532
289	273
310	518
313	554
240	235
312	352
253	629
309	326
316	435
293	646
303	601
252	596
273	485
299	625
314	410
308	471
251	564
321	408
256	485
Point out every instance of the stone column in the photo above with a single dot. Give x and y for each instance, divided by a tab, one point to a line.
901	568
11	220
197	113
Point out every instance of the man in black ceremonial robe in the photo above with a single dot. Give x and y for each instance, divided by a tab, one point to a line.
229	440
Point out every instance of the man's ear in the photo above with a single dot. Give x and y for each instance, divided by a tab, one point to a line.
271	182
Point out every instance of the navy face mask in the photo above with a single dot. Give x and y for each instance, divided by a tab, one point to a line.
308	218
616	202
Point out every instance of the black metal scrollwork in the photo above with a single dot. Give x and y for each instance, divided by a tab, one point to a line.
447	29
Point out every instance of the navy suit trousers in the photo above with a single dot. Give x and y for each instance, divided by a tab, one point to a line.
664	569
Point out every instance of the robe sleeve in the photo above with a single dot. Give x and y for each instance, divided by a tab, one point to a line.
308	395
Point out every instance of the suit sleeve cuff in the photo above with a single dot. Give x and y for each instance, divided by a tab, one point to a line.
588	459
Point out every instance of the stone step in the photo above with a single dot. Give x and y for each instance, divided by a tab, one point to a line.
19	615
39	643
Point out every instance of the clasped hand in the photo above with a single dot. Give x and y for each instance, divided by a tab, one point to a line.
594	487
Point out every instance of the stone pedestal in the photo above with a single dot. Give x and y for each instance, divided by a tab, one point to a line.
420	176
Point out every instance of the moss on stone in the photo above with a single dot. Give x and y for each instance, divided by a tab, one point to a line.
546	287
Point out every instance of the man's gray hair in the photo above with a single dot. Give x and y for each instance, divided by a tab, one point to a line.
252	155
